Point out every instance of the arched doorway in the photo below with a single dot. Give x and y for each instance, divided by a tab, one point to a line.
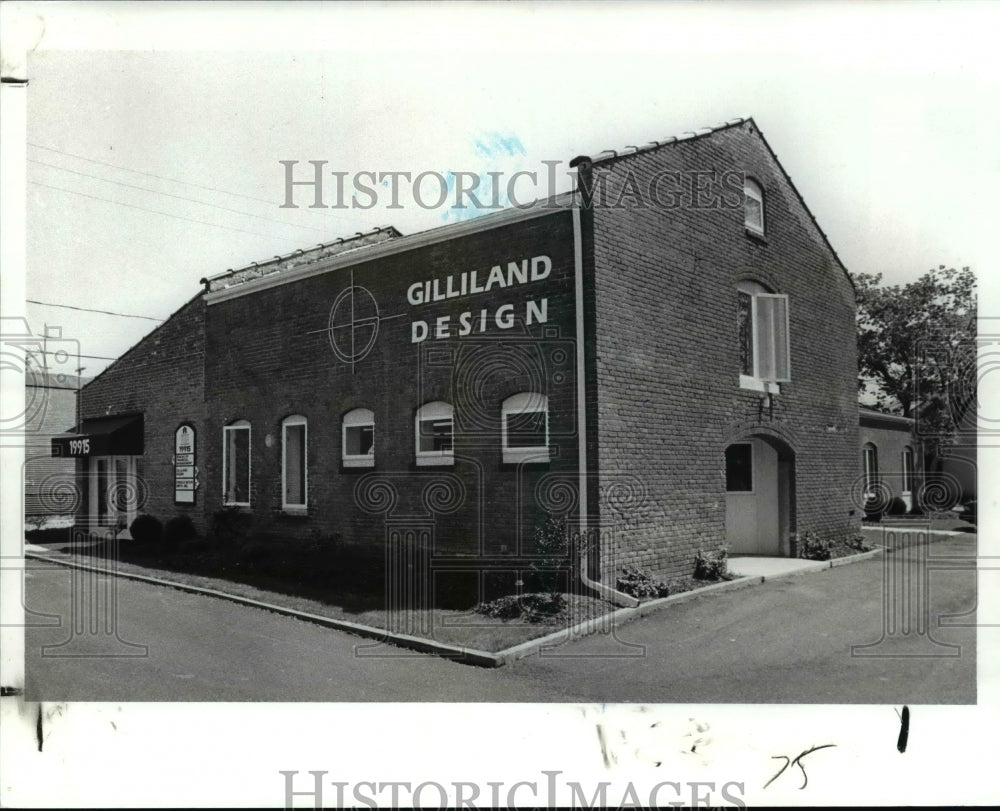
760	496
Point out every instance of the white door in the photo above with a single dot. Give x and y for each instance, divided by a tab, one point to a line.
753	515
112	491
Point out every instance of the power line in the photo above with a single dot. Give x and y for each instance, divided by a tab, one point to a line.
195	185
178	197
73	354
89	310
163	213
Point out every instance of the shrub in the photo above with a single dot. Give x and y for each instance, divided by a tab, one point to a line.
230	525
897	506
255	554
552	547
146	530
532	607
858	542
177	531
874	510
712	565
640	583
812	547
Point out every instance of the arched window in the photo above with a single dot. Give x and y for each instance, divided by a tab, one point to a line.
236	464
434	428
358	438
524	426
294	454
907	469
869	455
753	207
764	342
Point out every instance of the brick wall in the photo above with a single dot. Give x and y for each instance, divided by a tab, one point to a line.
666	361
269	356
163	378
889	441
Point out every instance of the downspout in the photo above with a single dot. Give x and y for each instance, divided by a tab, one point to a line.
602	590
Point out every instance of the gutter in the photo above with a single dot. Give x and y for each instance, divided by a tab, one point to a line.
602	590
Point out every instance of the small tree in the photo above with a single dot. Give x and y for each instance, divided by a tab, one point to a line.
917	347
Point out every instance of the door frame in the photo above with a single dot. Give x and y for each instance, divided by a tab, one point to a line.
95	492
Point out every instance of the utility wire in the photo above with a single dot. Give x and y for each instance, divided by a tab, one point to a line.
163	213
196	185
89	310
178	197
72	354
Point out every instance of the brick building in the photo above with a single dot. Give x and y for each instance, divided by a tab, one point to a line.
890	459
666	356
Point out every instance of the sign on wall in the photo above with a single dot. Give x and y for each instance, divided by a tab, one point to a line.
185	472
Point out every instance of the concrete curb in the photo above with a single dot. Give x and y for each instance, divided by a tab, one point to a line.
473	656
466	655
624	615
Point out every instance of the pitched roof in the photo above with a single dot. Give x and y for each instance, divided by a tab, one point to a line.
689	135
706	132
300	257
874	415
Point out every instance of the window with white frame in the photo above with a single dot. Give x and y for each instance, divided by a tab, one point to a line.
762	325
907	469
870	461
753	207
359	438
294	455
524	426
236	464
434	427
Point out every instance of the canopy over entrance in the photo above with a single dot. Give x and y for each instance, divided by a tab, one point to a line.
120	435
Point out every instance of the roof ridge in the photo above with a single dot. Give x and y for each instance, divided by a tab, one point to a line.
346	244
691	135
686	135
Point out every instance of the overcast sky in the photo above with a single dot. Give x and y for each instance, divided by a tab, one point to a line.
885	116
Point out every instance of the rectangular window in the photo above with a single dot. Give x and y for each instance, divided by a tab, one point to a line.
295	465
762	327
358	448
754	215
236	465
871	470
739	468
907	470
526	429
435	435
359	440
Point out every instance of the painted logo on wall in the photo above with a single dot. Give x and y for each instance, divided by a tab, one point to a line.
354	324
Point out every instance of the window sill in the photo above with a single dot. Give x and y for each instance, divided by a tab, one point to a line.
435	460
756	236
358	461
517	456
295	512
755	384
243	507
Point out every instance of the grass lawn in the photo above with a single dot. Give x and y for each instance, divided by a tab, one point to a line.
365	604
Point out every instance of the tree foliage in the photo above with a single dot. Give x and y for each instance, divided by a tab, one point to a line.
917	347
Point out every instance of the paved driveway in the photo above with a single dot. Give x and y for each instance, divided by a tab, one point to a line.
783	641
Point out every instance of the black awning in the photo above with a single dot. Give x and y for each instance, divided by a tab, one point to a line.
121	435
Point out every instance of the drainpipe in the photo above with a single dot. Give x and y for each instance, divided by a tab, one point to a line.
582	196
